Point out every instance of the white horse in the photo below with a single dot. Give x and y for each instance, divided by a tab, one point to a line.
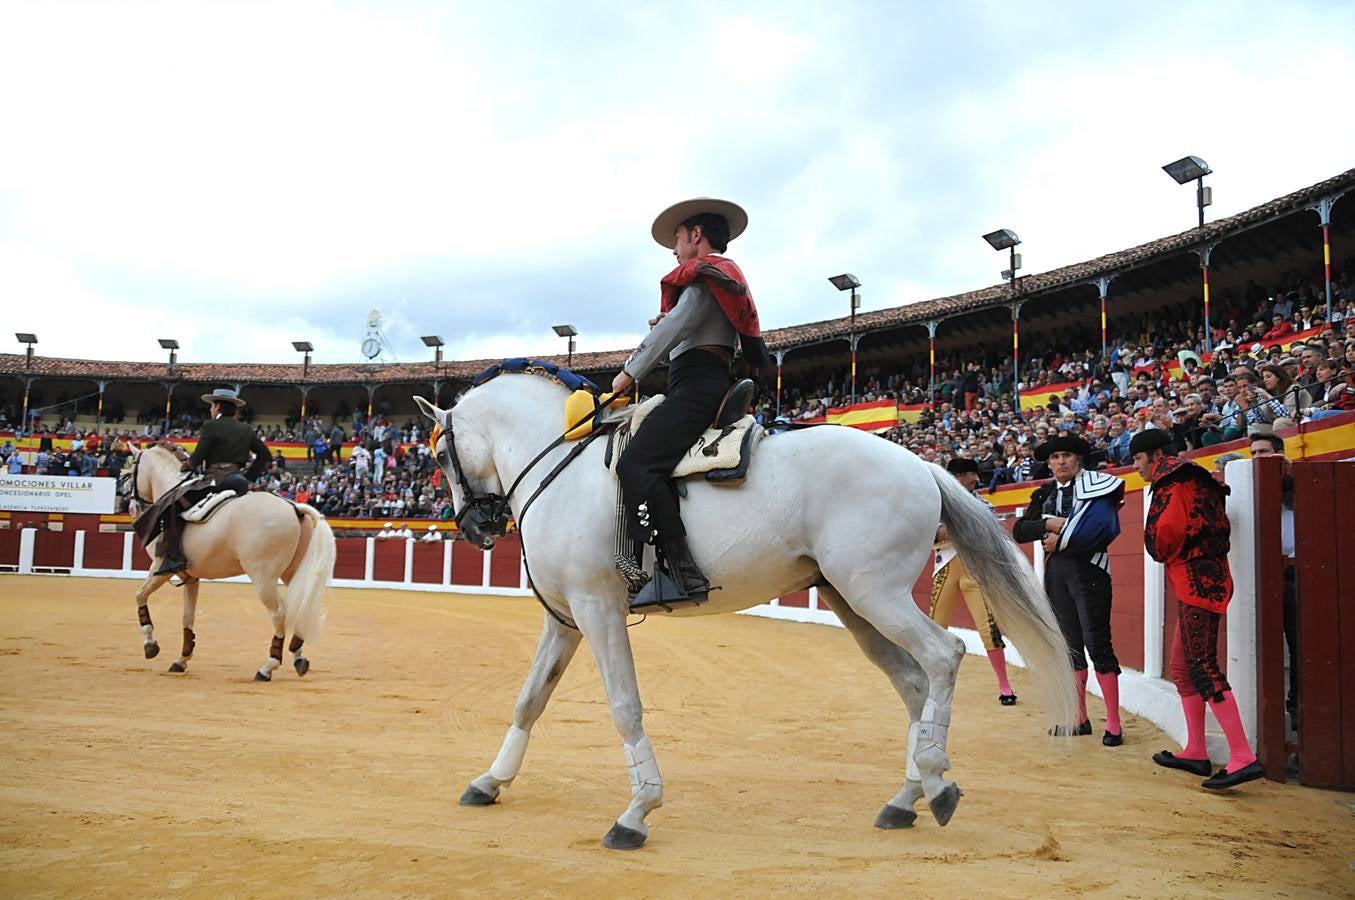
833	507
259	535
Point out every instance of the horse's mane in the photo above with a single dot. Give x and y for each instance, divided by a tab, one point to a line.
179	452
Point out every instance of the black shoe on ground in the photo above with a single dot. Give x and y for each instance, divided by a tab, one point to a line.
1060	731
1112	740
1168	760
1225	779
171	565
1006	699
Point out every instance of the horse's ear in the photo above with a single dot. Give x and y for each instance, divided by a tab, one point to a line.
135	450
437	415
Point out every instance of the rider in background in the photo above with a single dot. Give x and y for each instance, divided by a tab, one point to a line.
706	310
223	450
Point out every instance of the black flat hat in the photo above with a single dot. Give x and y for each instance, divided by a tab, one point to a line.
1151	439
1066	442
959	465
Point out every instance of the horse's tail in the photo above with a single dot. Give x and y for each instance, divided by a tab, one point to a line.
1013	593
305	594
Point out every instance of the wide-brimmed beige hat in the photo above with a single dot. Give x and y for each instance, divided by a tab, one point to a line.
665	226
223	395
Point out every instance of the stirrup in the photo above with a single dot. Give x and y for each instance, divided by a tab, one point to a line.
665	592
171	566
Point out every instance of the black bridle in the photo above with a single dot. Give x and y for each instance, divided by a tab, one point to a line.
485	515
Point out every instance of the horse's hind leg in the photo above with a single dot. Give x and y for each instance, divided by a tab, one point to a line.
553	653
908	680
875	595
190	614
143	612
267	589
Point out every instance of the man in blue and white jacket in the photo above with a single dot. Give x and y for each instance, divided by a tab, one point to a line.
1076	517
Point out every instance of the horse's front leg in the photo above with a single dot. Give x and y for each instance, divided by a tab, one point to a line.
604	624
190	614
553	653
143	612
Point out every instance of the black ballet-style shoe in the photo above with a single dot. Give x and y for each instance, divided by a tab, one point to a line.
1006	699
1112	740
1225	779
1168	760
1084	728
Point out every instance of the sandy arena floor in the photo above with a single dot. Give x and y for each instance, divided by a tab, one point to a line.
778	744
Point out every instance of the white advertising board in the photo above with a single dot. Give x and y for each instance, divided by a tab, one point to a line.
57	494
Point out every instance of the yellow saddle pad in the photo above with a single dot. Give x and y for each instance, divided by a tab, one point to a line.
582	403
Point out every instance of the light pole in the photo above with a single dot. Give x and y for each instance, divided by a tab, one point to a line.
304	347
1006	239
437	343
848	282
570	332
172	346
30	339
1192	168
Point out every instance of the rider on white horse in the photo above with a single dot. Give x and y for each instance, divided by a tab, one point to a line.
706	311
223	448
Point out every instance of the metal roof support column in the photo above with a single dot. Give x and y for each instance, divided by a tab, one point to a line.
1323	210
169	396
1103	286
931	361
371	393
856	340
780	358
1016	356
24	424
99	413
305	392
1204	253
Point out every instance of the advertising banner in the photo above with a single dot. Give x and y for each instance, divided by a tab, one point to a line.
57	494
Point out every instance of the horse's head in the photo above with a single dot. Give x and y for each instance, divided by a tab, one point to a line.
154	466
466	461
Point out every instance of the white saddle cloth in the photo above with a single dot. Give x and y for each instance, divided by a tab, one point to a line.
203	509
717	450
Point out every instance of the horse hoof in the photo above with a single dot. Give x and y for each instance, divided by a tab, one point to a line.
259	676
302	665
476	797
177	666
623	838
895	817
943	807
152	650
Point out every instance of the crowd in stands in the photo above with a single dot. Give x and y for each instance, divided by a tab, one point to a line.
1153	376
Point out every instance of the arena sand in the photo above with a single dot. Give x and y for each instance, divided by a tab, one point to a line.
778	743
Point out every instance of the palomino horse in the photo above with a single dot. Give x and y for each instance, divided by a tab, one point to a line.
833	507
259	535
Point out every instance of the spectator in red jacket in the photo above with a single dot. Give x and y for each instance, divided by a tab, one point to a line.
1187	530
1278	329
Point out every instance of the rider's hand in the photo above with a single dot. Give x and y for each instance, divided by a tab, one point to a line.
654	321
622	383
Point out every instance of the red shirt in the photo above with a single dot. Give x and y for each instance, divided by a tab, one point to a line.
1187	531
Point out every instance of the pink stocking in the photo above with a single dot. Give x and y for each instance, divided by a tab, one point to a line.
1110	691
998	658
1239	751
1193	706
1081	675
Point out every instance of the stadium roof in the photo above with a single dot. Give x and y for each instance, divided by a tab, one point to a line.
1076	275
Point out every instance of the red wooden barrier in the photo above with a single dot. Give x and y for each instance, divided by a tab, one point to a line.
103	551
427	563
1270	688
1323	520
9	547
467	563
350	558
798	600
388	563
54	550
504	566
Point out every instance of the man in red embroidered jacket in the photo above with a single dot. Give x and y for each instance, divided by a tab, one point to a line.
1187	531
706	310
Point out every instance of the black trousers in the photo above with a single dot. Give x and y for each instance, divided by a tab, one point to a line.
1080	595
697	382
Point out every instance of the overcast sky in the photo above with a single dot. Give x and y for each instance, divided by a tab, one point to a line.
240	175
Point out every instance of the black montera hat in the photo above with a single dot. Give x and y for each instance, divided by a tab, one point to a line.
1066	442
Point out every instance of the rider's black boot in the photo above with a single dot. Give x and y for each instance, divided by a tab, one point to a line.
677	581
174	560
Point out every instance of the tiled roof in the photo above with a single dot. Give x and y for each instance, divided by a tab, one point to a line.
779	338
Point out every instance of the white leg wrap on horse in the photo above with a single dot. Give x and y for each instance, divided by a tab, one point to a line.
931	735
148	632
911	769
509	761
644	769
268	666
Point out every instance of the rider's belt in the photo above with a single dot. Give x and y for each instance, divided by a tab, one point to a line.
723	352
219	470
